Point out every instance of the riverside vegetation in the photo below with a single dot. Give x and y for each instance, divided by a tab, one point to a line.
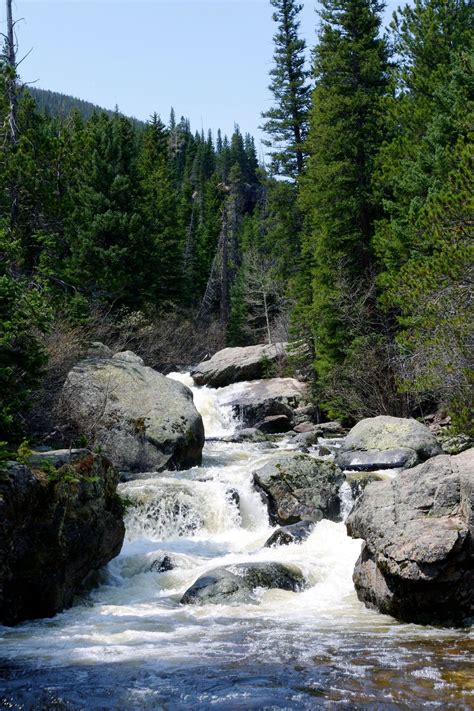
331	291
356	242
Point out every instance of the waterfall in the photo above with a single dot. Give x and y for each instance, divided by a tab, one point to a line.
218	420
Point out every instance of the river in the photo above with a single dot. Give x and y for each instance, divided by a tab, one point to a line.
130	644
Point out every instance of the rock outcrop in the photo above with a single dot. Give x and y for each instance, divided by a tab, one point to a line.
141	420
298	487
417	562
57	524
234	365
235	584
254	401
386	443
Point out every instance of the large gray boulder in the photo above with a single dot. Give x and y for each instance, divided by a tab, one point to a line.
141	420
234	365
386	443
298	487
60	520
417	562
253	402
235	584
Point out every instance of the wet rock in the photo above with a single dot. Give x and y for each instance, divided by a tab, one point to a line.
57	524
359	480
235	584
248	434
373	460
162	565
140	419
234	496
275	424
417	563
304	440
286	535
385	443
299	487
255	401
234	365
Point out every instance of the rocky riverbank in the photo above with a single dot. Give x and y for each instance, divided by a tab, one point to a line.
60	519
412	505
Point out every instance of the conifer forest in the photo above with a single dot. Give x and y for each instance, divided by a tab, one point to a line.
354	241
236	368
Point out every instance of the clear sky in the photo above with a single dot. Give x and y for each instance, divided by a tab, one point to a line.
209	59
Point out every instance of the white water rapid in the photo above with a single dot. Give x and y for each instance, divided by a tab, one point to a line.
130	644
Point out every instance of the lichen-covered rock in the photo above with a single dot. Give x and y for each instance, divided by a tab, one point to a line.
141	420
57	524
359	480
417	563
235	584
234	365
298	487
255	401
386	442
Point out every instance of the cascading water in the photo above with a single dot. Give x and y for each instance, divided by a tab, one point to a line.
130	644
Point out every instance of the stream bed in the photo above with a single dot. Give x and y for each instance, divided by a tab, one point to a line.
130	644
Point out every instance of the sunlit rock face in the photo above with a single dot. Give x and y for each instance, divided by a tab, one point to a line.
417	563
142	420
386	443
234	365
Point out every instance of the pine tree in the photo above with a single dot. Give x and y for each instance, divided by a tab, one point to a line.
286	122
350	70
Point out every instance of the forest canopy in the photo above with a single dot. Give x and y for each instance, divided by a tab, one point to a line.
355	244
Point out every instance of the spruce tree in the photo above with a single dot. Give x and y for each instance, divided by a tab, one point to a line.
350	70
286	121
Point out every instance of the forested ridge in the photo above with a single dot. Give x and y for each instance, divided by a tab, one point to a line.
354	243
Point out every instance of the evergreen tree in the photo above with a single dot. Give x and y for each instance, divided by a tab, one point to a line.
286	121
350	70
425	179
159	209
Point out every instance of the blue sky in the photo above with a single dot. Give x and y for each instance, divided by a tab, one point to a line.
207	58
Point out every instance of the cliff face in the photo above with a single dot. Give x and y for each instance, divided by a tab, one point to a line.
60	518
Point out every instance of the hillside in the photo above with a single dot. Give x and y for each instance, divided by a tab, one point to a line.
57	104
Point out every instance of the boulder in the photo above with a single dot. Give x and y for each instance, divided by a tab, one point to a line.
307	427
235	584
140	419
298	487
386	443
417	562
162	564
304	440
248	434
234	365
274	424
58	523
286	535
375	460
255	401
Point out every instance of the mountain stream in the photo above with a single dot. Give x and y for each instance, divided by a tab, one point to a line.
130	644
